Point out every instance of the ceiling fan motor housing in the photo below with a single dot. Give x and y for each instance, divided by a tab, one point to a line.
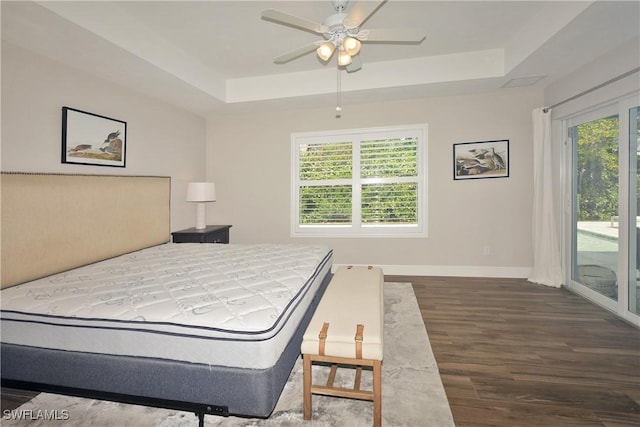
337	31
335	21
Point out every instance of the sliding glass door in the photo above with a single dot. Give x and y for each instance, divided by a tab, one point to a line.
605	206
595	233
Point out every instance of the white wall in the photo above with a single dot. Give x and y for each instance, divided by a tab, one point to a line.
248	156
618	61
161	139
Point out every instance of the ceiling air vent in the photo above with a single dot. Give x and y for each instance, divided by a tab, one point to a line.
523	81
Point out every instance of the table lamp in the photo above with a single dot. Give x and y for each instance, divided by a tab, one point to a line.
201	193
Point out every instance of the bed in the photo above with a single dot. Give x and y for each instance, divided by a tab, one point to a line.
122	314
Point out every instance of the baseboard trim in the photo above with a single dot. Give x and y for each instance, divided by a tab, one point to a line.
452	270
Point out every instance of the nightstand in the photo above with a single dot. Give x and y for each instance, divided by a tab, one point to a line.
210	234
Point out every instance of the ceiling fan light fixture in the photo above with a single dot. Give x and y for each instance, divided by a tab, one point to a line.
344	58
351	46
325	51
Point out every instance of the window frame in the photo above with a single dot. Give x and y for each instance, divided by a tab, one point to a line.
356	228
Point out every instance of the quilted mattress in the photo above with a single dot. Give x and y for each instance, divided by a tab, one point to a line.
223	305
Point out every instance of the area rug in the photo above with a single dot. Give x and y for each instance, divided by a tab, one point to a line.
412	391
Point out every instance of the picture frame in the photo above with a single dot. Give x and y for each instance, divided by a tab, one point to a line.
483	159
92	139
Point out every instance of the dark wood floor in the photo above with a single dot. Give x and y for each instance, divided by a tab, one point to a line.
11	399
512	353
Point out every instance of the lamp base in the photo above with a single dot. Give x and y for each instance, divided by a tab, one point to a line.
201	216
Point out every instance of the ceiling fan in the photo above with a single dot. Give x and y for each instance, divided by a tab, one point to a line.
342	32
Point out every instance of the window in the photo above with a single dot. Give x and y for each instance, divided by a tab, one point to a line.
360	182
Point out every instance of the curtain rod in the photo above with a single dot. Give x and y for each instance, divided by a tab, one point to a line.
601	85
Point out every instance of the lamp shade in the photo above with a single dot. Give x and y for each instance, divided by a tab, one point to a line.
201	192
325	51
343	58
351	46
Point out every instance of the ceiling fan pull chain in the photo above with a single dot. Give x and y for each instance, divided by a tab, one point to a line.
338	95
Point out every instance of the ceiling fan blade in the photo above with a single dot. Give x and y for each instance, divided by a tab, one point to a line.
392	35
294	21
296	53
360	12
355	65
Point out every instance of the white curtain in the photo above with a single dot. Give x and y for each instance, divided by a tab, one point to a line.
547	268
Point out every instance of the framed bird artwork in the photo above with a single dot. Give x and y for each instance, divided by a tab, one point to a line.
485	159
92	139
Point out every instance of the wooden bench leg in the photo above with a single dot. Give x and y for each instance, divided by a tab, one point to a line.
374	395
377	393
306	381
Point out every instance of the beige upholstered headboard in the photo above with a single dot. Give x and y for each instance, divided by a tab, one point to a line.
55	222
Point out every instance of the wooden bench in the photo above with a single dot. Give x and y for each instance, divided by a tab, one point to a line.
347	329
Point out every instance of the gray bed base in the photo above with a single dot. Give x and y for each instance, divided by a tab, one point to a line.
203	389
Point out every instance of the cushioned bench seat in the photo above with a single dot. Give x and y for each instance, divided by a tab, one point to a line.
347	329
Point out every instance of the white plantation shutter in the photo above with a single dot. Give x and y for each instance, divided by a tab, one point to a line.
389	178
325	193
362	182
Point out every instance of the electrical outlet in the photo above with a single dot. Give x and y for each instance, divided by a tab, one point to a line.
486	250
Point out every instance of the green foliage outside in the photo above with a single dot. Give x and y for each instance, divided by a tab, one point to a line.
390	204
325	204
325	161
597	171
383	159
